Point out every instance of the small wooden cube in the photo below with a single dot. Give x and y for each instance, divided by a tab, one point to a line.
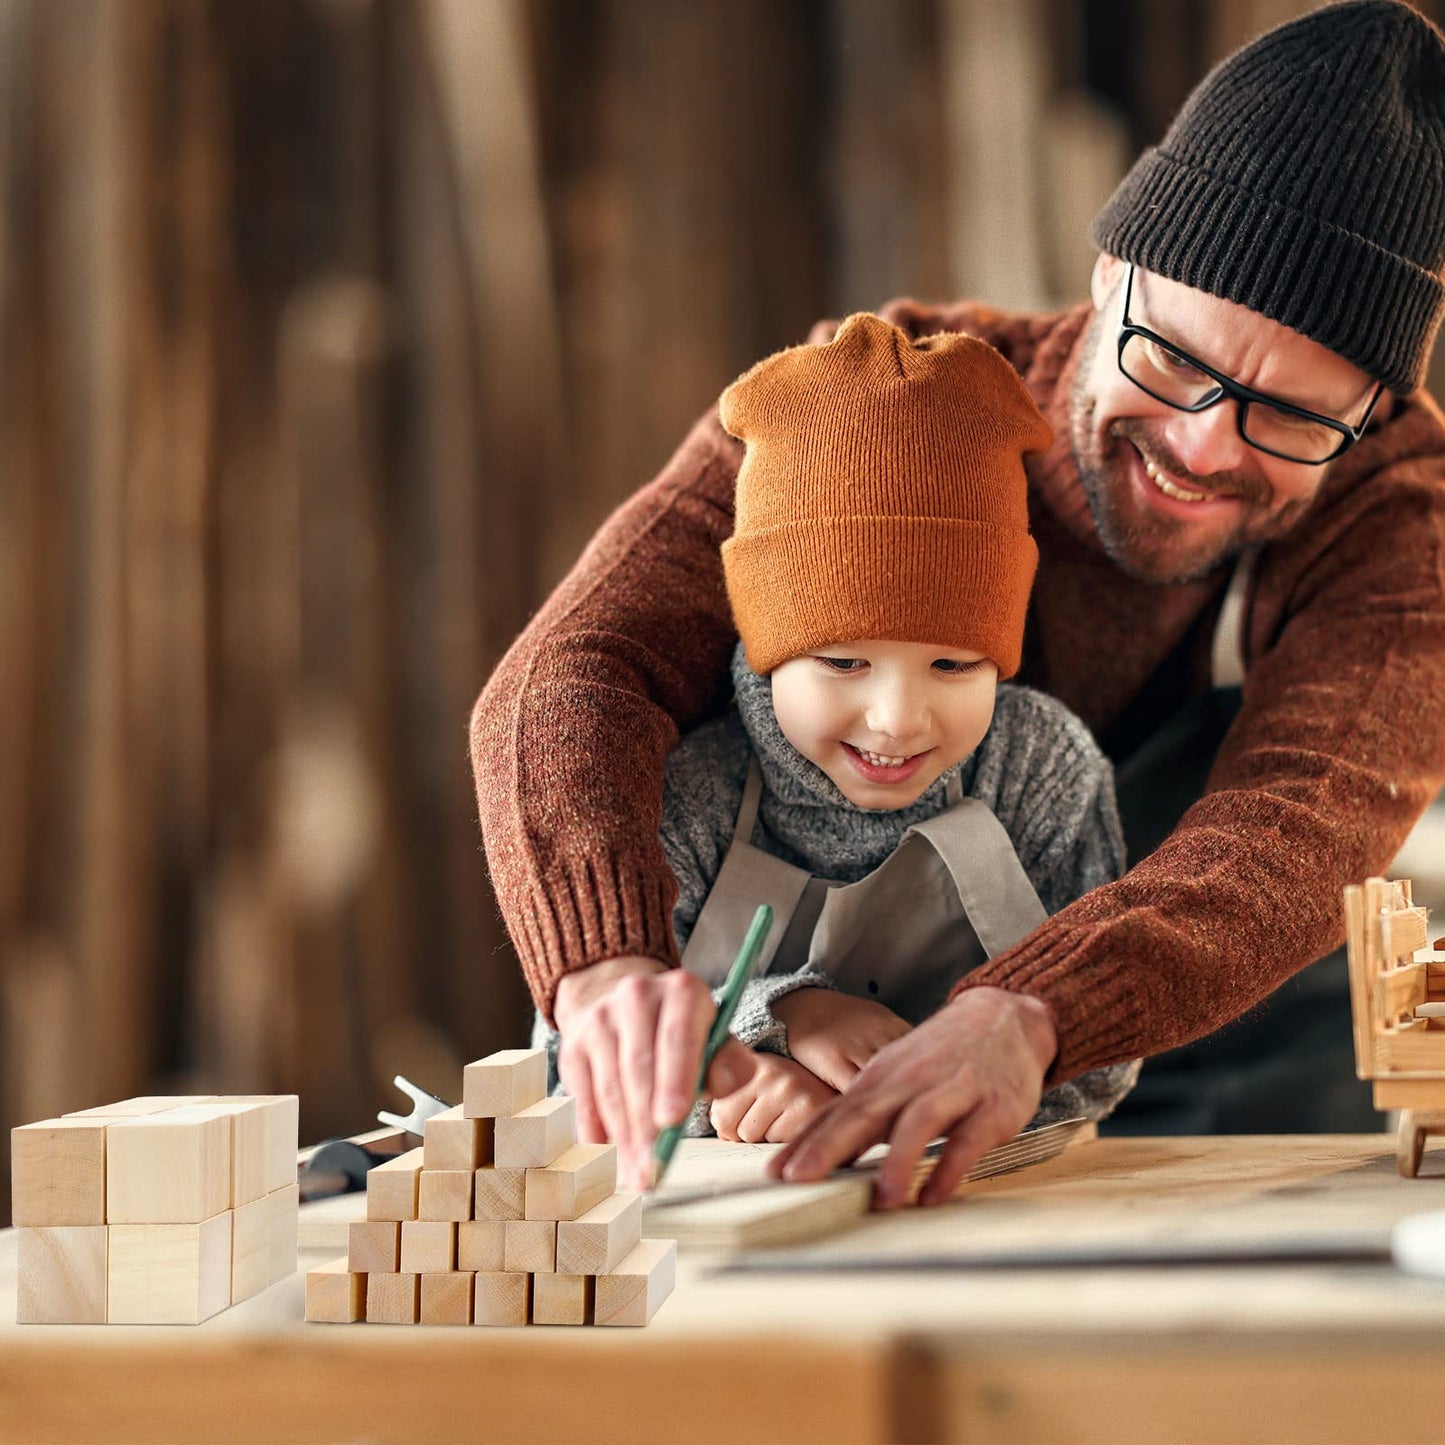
631	1293
453	1141
393	1299
504	1083
501	1299
261	1232
428	1246
563	1299
481	1245
446	1299
169	1168
537	1134
57	1173
601	1238
169	1274
499	1194
374	1246
391	1187
577	1179
445	1194
263	1144
335	1295
285	1226
529	1246
61	1275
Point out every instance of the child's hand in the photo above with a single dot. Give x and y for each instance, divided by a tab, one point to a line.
835	1034
774	1105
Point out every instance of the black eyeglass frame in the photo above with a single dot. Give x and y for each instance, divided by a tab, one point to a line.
1230	389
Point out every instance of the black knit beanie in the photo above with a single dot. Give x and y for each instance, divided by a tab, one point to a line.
1304	178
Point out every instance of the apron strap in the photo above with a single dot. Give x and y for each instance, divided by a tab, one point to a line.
1227	656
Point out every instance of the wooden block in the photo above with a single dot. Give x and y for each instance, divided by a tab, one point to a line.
1398	990
169	1274
263	1144
393	1299
499	1193
428	1246
374	1246
601	1238
577	1179
446	1299
481	1245
57	1173
391	1188
536	1135
445	1194
335	1295
263	1243
61	1275
563	1299
529	1246
1410	1093
631	1293
169	1168
133	1108
1416	1052
453	1141
501	1299
504	1083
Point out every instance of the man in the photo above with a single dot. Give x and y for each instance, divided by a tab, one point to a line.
1246	479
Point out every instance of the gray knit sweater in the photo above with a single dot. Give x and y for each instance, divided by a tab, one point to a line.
1038	769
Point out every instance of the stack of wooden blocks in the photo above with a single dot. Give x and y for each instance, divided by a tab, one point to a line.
500	1218
154	1211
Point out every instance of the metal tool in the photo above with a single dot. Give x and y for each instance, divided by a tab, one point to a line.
424	1106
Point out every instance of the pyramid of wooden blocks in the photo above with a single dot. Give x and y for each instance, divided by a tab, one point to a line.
155	1210
500	1218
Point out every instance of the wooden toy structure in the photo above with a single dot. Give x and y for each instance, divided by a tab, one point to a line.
1397	997
155	1210
500	1218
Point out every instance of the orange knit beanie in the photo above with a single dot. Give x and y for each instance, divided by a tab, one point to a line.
882	496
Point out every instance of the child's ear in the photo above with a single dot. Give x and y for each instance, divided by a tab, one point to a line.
1107	272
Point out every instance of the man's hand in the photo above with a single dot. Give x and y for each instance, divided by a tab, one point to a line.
633	1034
834	1035
774	1104
973	1072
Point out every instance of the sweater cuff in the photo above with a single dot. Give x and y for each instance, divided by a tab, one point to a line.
755	1024
587	910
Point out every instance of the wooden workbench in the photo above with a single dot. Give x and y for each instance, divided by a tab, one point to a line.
1266	1351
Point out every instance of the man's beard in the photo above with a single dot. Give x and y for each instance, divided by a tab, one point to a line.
1146	546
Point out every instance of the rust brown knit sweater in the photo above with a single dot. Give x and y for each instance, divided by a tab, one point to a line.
1338	747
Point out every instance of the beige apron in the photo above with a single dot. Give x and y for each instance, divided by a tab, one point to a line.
950	895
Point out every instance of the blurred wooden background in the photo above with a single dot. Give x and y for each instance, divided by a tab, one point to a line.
329	330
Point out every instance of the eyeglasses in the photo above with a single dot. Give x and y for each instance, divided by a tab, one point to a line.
1266	423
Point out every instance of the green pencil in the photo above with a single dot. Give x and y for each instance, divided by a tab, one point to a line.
745	966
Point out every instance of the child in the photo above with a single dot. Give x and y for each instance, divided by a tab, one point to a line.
903	814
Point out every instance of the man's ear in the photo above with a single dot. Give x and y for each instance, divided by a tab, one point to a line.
1108	270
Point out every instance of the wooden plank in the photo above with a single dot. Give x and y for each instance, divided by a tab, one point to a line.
633	1291
391	1187
169	1274
57	1172
428	1246
1410	1093
393	1299
61	1275
445	1194
599	1239
529	1246
536	1135
1418	1051
453	1141
446	1299
502	1299
504	1083
1399	990
563	1299
499	1193
1362	990
578	1179
374	1246
169	1168
335	1294
1402	931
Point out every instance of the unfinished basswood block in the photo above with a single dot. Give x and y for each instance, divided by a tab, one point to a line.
263	1242
577	1179
501	1299
537	1134
453	1141
374	1245
61	1275
263	1144
169	1274
57	1173
631	1293
481	1245
445	1194
530	1246
335	1295
133	1108
499	1193
504	1083
428	1246
393	1299
601	1238
391	1187
446	1299
563	1299
169	1168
